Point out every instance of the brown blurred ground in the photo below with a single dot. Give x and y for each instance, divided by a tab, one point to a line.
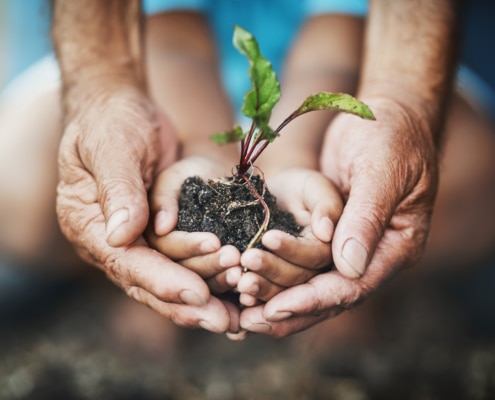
418	339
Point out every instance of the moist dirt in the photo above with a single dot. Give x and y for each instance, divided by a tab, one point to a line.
229	209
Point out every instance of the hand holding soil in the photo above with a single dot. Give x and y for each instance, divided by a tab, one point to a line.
291	260
239	209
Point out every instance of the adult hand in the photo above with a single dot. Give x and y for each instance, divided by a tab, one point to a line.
387	171
316	205
113	145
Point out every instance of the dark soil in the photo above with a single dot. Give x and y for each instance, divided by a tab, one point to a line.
230	210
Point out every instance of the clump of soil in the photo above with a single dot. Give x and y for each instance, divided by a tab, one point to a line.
229	209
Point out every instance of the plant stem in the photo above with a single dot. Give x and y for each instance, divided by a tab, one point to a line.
264	226
245	149
260	150
294	115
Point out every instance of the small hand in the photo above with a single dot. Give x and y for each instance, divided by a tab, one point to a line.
316	205
200	252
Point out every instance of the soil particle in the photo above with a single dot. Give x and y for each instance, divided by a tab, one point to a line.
229	209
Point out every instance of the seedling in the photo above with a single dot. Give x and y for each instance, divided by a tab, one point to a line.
259	102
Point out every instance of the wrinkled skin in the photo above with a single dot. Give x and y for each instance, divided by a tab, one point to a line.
388	173
109	155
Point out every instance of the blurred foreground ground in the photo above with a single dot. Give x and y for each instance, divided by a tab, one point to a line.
418	339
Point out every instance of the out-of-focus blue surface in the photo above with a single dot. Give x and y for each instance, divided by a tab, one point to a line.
478	46
26	30
27	26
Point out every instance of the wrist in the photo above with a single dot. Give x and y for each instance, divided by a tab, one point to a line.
92	93
389	98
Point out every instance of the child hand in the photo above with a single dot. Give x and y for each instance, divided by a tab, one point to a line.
316	205
200	252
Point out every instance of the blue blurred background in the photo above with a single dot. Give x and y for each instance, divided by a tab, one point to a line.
25	29
24	35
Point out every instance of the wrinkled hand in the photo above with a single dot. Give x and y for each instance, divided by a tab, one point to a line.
200	252
387	171
111	150
316	205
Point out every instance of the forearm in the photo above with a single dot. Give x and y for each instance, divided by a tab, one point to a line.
325	57
185	82
98	44
410	54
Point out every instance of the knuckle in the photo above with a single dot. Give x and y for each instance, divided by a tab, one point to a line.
136	293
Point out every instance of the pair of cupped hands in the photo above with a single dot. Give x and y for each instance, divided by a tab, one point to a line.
119	183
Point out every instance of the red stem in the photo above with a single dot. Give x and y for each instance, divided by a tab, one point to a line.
245	148
286	121
260	150
260	198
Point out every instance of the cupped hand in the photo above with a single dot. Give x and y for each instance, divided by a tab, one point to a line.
387	170
316	205
200	252
112	148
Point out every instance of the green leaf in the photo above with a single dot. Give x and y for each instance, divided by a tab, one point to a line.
234	135
335	101
265	88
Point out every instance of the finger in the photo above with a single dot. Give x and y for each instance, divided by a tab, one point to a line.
117	168
257	287
331	290
252	320
367	213
274	268
234	317
212	316
322	294
225	280
138	267
327	294
305	251
247	300
128	267
211	264
322	200
166	192
237	337
179	245
164	200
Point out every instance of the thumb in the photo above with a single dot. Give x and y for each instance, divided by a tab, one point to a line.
122	195
164	201
362	224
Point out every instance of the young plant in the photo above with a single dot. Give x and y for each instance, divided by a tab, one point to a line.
259	102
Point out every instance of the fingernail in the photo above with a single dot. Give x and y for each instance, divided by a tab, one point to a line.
325	227
280	315
236	336
232	277
192	298
272	241
207	246
160	222
259	327
115	221
255	263
254	290
227	259
356	257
